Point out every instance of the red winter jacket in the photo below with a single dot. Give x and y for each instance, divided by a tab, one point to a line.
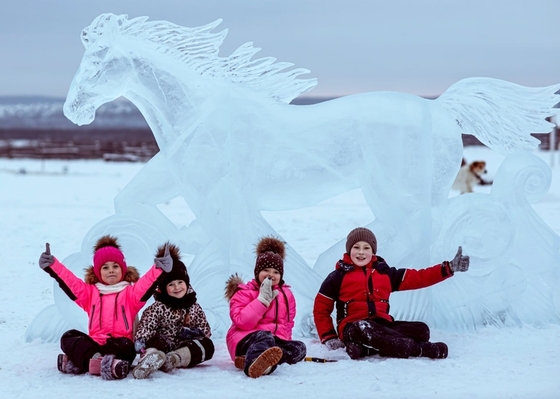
363	292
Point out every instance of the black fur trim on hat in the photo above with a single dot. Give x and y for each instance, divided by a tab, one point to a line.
174	251
178	272
106	241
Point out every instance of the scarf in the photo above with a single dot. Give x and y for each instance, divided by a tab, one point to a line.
111	289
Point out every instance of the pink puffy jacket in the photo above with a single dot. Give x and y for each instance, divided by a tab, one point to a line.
248	314
110	315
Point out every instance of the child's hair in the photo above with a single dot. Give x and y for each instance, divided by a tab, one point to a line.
107	249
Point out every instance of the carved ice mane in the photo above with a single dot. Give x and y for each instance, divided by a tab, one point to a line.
197	49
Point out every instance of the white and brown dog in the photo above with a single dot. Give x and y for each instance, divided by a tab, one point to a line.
469	176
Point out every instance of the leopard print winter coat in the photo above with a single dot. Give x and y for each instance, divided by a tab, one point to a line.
161	319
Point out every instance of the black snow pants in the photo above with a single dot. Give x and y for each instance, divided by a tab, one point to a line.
254	344
80	348
399	339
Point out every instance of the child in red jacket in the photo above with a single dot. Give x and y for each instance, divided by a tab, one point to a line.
360	288
112	295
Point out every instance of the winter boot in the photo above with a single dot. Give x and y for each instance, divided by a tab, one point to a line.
152	360
184	356
239	362
95	364
265	363
436	350
66	366
172	360
358	351
113	369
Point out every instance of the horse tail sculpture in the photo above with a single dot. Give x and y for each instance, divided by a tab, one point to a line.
516	112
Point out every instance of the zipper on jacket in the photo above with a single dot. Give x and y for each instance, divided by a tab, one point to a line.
100	310
124	317
276	315
91	316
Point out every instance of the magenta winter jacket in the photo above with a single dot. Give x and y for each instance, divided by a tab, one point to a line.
110	315
248	314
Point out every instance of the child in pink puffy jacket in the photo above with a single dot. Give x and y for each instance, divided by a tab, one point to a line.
262	314
112	295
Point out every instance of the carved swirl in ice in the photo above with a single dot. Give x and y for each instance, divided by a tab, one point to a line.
232	146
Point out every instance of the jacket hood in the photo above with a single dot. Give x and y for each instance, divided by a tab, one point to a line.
131	275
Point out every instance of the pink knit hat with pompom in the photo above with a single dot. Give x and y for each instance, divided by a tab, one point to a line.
107	250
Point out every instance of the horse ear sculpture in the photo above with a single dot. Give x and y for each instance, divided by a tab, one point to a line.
232	147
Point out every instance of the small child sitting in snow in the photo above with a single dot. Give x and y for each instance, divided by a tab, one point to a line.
112	295
173	331
360	287
262	314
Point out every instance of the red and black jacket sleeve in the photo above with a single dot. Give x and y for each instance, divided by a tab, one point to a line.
324	305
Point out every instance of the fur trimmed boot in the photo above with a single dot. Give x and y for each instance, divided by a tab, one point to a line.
152	360
113	369
66	366
95	364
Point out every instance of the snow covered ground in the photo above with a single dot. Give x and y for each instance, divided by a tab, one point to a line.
59	201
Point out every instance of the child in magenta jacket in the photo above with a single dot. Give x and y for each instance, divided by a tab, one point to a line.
262	314
112	295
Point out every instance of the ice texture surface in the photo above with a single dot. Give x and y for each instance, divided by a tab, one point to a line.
232	146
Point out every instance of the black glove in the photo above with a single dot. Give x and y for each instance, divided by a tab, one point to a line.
165	262
191	333
459	263
46	259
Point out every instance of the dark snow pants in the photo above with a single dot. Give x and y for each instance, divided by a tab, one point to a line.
80	348
201	349
254	344
391	339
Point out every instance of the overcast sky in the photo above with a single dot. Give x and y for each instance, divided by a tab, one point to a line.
350	46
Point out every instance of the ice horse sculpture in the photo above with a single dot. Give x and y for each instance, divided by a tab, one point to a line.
232	146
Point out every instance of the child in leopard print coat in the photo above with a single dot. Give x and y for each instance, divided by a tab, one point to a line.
173	331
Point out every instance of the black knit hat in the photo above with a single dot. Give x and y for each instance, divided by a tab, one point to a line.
361	234
270	253
178	272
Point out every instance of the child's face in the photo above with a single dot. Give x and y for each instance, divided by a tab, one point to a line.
272	273
111	273
176	288
361	253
